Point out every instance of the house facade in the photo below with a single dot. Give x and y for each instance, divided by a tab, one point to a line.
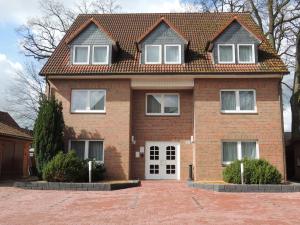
150	94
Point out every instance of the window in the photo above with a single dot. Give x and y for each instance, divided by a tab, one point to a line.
233	150
172	54
81	54
100	54
162	104
152	54
88	149
241	101
84	101
226	53
246	53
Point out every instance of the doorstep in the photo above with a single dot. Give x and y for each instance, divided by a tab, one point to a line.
99	186
244	187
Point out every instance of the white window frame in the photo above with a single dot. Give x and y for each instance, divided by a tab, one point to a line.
88	110
162	113
146	61
253	53
233	54
237	100
86	147
88	55
165	54
239	150
107	55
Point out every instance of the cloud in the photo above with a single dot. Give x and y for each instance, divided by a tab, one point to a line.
7	77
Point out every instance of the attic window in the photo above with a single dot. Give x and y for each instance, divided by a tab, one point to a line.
100	54
153	54
81	54
172	54
226	53
246	53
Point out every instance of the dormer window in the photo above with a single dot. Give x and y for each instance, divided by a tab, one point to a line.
100	54
153	54
172	54
226	53
81	54
246	53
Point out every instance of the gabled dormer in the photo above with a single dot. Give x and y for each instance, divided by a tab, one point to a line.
162	43
234	44
91	44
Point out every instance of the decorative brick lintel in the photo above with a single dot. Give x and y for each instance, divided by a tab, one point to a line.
245	187
110	186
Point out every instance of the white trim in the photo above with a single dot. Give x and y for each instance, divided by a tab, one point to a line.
159	84
233	54
86	147
159	60
165	54
88	55
239	150
107	55
253	54
162	113
237	100
161	161
88	110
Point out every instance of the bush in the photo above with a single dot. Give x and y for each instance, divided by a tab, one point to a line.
48	132
256	171
69	168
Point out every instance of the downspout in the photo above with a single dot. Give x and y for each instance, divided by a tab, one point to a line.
48	86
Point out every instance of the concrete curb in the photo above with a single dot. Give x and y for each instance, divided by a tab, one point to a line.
77	186
245	187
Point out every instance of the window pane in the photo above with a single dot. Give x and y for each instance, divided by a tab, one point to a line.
246	100
249	150
228	100
96	150
172	54
171	103
78	147
81	54
79	100
100	54
97	100
226	53
153	103
229	151
245	54
152	54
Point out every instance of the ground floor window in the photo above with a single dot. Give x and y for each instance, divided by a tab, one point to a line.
233	150
88	149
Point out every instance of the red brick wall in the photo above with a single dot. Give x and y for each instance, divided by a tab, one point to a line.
211	126
162	128
113	126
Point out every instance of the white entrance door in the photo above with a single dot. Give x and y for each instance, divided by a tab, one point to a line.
162	160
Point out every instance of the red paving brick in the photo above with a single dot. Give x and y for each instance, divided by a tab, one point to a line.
156	202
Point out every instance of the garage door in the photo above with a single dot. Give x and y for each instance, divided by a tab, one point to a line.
12	159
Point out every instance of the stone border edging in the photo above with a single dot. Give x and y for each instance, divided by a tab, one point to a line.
76	186
245	187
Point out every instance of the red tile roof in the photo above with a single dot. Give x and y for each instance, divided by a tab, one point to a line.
9	128
197	28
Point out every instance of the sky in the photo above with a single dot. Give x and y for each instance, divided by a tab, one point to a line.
14	13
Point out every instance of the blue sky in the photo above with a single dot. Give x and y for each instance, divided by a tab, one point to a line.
14	13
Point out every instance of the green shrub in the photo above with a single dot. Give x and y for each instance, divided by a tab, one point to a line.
48	132
256	171
69	168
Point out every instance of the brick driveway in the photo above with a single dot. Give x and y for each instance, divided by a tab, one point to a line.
156	202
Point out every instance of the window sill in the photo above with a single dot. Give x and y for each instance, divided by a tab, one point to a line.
88	112
240	113
172	115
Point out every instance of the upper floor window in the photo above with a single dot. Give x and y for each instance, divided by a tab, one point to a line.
100	54
162	104
152	54
238	101
172	54
81	54
246	53
88	101
226	53
237	150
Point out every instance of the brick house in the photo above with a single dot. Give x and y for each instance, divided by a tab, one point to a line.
149	94
14	148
